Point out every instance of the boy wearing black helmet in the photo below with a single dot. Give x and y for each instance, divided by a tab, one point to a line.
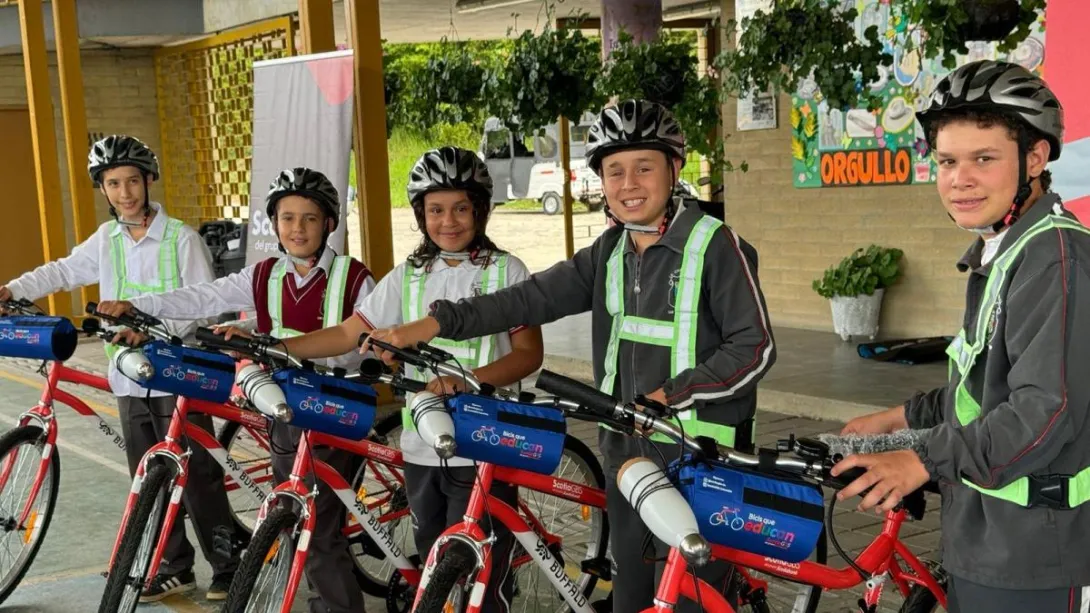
1005	438
144	251
307	288
678	316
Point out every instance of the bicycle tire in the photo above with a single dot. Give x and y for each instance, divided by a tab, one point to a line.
371	583
9	441
243	531
257	555
455	565
144	522
579	453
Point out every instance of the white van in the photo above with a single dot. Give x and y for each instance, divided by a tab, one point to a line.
521	172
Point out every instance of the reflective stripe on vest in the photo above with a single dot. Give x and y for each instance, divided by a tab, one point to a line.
963	355
332	304
169	274
679	334
471	354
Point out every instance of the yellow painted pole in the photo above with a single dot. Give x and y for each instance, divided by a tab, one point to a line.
74	113
565	163
316	21
372	161
47	170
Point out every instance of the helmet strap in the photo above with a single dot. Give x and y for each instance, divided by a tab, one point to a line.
1025	190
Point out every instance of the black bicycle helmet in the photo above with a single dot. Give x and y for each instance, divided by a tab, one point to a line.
307	183
450	168
634	124
999	87
120	150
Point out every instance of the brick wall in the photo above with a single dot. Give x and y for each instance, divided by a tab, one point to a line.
800	232
119	93
120	97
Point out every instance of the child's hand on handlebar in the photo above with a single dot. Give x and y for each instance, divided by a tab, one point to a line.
229	332
445	385
115	308
891	476
5	295
405	335
129	337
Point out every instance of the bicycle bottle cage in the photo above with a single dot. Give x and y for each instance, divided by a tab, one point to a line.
37	338
510	434
188	372
770	515
326	404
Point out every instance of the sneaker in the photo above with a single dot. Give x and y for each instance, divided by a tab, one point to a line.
164	585
220	585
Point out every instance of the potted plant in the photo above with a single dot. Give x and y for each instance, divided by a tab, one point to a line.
855	288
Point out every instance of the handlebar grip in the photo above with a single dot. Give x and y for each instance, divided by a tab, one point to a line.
208	337
405	355
570	389
91	308
845	478
374	370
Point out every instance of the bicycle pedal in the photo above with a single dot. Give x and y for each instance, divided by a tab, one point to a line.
598	567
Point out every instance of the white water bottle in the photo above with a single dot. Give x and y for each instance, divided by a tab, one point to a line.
663	509
433	423
132	363
263	392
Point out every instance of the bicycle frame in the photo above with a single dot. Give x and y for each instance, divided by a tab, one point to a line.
170	450
879	558
295	490
470	533
43	415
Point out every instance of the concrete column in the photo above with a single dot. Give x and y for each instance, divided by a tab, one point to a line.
316	23
640	18
74	114
372	159
54	246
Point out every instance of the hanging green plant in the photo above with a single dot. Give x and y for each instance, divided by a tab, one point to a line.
665	70
546	75
449	88
800	38
951	24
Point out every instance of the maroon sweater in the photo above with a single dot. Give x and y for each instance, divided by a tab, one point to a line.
302	306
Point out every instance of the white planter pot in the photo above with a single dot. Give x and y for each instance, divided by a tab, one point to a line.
857	315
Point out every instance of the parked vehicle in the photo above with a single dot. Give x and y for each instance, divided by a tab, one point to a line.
528	167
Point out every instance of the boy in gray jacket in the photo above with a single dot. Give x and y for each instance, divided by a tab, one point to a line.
1007	437
678	316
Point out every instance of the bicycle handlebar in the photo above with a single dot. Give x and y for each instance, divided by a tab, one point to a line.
426	357
139	321
813	456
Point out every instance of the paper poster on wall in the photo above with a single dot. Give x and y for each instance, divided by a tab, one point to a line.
822	138
757	111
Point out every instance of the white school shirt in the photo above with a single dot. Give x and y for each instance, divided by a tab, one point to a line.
90	263
383	309
235	292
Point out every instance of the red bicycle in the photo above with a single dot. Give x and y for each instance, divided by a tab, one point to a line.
670	517
557	516
29	456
